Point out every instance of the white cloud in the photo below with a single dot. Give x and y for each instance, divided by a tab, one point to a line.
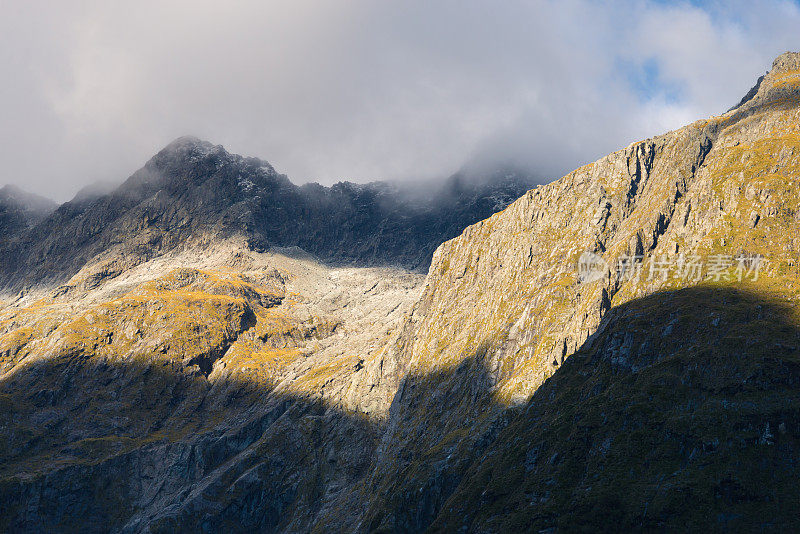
364	90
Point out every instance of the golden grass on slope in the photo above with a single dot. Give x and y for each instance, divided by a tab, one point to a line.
789	77
257	363
179	316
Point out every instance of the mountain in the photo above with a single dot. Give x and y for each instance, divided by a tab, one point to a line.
20	210
192	193
616	350
629	401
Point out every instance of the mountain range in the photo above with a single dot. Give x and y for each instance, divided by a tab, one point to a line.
193	192
210	347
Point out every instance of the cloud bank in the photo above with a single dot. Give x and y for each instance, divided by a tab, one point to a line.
364	90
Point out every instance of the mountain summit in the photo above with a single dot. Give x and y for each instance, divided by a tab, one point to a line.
784	69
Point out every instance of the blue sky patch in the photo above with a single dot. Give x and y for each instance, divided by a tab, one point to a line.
648	83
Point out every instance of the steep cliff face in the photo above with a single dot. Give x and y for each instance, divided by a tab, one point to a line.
208	385
485	446
724	186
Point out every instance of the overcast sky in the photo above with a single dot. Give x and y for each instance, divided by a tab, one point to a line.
365	90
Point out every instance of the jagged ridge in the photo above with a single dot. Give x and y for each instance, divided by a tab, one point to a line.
193	193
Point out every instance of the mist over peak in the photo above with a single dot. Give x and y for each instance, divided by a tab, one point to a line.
12	194
392	92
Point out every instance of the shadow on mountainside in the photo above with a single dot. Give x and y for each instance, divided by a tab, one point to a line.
683	412
98	445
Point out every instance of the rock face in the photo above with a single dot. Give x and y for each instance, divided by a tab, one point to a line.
209	384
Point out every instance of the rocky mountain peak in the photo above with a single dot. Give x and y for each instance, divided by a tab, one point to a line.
189	150
188	162
782	81
786	62
11	194
196	193
189	146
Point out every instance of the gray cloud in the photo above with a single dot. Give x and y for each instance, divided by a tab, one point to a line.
365	90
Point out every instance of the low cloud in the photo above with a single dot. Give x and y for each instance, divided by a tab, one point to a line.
365	90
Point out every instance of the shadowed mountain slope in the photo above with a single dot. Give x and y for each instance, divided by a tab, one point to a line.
681	414
692	428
